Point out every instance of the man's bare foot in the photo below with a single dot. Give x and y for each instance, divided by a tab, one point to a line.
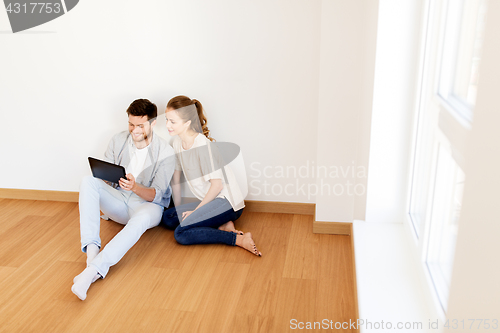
229	226
245	241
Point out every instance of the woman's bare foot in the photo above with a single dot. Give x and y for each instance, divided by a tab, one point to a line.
229	226
245	241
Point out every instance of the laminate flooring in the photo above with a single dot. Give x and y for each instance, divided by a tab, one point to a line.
161	286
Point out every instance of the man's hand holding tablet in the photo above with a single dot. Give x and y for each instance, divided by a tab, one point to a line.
129	183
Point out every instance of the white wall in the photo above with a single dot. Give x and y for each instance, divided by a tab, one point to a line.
65	85
254	65
396	68
475	291
347	60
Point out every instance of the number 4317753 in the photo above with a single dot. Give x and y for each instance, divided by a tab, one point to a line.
34	8
471	324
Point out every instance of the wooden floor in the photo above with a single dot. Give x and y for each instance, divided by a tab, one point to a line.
161	286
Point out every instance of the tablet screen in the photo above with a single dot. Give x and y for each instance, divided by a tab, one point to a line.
106	171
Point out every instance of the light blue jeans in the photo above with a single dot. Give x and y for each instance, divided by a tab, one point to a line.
124	207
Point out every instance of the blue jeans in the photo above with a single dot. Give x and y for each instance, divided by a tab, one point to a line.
200	227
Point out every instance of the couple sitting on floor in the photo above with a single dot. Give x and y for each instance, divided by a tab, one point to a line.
141	200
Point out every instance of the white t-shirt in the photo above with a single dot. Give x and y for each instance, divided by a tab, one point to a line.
203	162
137	161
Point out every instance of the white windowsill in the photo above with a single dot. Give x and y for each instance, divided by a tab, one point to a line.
390	283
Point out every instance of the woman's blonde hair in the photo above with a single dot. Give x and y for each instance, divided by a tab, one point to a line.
198	119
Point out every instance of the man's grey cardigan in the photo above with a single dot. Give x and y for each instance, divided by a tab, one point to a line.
158	167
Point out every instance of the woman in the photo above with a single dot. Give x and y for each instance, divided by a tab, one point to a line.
210	220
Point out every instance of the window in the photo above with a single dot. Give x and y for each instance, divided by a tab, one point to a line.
463	33
443	224
450	59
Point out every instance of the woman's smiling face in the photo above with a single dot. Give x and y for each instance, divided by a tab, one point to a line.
175	125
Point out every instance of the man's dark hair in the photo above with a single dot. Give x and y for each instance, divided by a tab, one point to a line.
141	108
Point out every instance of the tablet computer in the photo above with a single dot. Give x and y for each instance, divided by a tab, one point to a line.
106	171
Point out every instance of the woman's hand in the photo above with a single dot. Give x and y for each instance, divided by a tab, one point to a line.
128	184
186	214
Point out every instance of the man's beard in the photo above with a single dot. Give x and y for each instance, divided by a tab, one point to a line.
144	136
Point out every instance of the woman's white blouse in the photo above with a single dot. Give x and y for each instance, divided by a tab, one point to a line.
203	162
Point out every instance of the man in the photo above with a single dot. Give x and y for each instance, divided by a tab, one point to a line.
137	202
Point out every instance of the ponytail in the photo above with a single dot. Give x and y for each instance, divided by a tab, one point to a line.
203	120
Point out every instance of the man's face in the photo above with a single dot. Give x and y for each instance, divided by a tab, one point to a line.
140	129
